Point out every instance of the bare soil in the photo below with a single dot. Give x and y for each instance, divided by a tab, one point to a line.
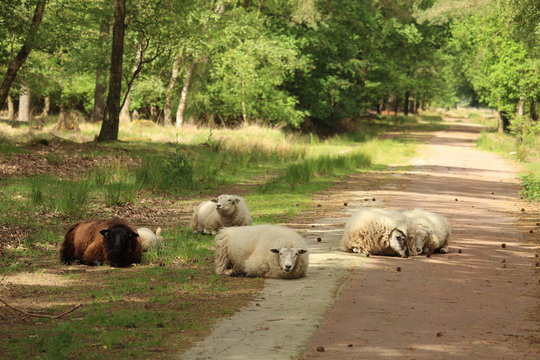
480	301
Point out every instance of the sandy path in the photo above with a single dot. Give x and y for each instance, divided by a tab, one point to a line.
456	306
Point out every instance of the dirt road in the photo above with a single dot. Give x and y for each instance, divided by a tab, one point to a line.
477	302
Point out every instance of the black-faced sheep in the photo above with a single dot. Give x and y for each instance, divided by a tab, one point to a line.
150	240
112	241
269	251
428	232
376	231
226	210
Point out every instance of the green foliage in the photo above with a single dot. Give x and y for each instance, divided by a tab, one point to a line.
531	187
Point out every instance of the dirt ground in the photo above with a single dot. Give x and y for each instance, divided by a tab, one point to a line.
480	301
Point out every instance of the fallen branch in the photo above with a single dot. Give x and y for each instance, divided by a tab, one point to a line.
41	315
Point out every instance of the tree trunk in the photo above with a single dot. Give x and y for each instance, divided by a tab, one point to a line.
24	105
23	53
167	113
11	108
504	122
396	105
533	110
125	115
46	107
184	94
406	103
520	108
245	119
101	74
67	121
109	127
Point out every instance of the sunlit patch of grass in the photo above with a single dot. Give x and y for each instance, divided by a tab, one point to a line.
181	245
499	143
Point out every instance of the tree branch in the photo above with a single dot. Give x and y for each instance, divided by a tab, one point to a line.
41	315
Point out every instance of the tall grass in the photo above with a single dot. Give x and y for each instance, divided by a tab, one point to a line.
304	171
66	196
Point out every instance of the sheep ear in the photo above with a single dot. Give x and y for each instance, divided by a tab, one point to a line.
302	251
214	200
105	232
275	251
158	231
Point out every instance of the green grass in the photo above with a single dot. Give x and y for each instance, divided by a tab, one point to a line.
525	152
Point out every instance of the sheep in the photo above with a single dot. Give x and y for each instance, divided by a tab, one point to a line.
150	240
226	210
111	241
269	251
428	232
376	231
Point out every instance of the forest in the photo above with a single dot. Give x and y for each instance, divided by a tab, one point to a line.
303	64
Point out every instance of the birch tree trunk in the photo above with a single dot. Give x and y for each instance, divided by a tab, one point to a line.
520	108
184	94
11	108
219	10
167	113
125	115
46	107
110	125
23	53
24	105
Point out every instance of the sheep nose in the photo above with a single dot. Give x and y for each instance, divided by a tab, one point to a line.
418	250
288	267
218	206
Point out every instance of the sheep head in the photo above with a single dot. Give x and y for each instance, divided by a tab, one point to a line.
119	241
397	240
226	204
288	256
417	240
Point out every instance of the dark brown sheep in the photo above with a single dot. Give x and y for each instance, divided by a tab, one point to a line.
111	241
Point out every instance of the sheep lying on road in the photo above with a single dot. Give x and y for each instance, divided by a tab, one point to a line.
226	210
269	251
150	240
428	232
376	231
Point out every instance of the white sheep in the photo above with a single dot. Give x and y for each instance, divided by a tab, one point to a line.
148	239
270	251
376	231
428	232
226	210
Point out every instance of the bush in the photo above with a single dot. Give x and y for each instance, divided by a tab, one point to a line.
531	187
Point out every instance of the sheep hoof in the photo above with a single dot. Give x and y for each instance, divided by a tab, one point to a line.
444	250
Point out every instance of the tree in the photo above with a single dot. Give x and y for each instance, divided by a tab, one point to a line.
111	119
23	53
